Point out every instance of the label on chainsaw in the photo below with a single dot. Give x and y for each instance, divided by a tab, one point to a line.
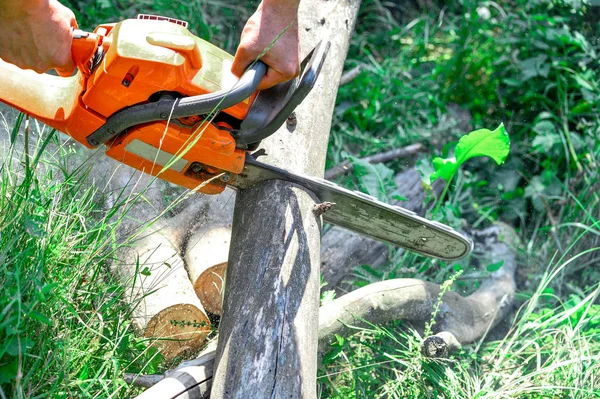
366	215
154	155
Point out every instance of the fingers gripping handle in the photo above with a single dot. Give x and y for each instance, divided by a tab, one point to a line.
83	50
46	97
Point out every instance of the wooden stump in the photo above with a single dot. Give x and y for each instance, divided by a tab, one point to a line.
268	333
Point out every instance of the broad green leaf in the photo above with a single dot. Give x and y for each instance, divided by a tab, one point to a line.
546	142
533	67
495	266
8	371
34	314
374	179
16	346
425	167
479	143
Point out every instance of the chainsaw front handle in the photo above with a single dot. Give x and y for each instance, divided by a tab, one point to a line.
273	106
170	107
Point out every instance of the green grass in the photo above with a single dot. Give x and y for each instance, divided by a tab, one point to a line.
549	353
64	331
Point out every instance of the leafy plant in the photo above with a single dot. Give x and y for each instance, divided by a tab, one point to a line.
376	180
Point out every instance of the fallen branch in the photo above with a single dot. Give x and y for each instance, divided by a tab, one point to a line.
349	76
397	153
460	320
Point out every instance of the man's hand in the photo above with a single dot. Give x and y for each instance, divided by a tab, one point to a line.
36	34
271	19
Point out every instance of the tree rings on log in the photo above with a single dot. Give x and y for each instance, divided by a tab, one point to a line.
179	329
209	288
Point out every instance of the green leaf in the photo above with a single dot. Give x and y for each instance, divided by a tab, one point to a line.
495	266
8	371
374	179
34	314
16	346
533	67
327	297
145	272
33	226
425	167
483	142
398	197
546	142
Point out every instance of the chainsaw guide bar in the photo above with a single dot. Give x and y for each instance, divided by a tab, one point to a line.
367	215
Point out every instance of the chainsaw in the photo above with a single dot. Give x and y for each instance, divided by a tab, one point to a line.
164	101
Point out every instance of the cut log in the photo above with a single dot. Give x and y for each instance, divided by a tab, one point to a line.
192	379
207	251
164	305
209	288
468	319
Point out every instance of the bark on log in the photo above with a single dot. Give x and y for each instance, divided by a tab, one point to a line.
267	337
460	320
343	250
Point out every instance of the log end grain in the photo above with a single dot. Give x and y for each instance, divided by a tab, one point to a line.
209	288
178	329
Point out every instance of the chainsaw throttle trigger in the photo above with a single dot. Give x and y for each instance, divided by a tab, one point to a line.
170	107
273	106
86	50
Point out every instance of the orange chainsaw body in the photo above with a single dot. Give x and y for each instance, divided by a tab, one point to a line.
141	58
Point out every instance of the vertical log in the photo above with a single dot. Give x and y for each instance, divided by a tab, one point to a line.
268	333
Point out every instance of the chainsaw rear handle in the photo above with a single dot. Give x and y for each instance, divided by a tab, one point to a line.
46	97
170	107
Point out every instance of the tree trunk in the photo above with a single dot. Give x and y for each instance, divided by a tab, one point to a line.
268	333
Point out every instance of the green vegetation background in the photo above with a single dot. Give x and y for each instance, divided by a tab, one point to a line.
431	73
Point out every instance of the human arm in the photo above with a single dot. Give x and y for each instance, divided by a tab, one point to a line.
271	19
36	34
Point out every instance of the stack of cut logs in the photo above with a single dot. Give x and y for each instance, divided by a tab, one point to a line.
175	271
